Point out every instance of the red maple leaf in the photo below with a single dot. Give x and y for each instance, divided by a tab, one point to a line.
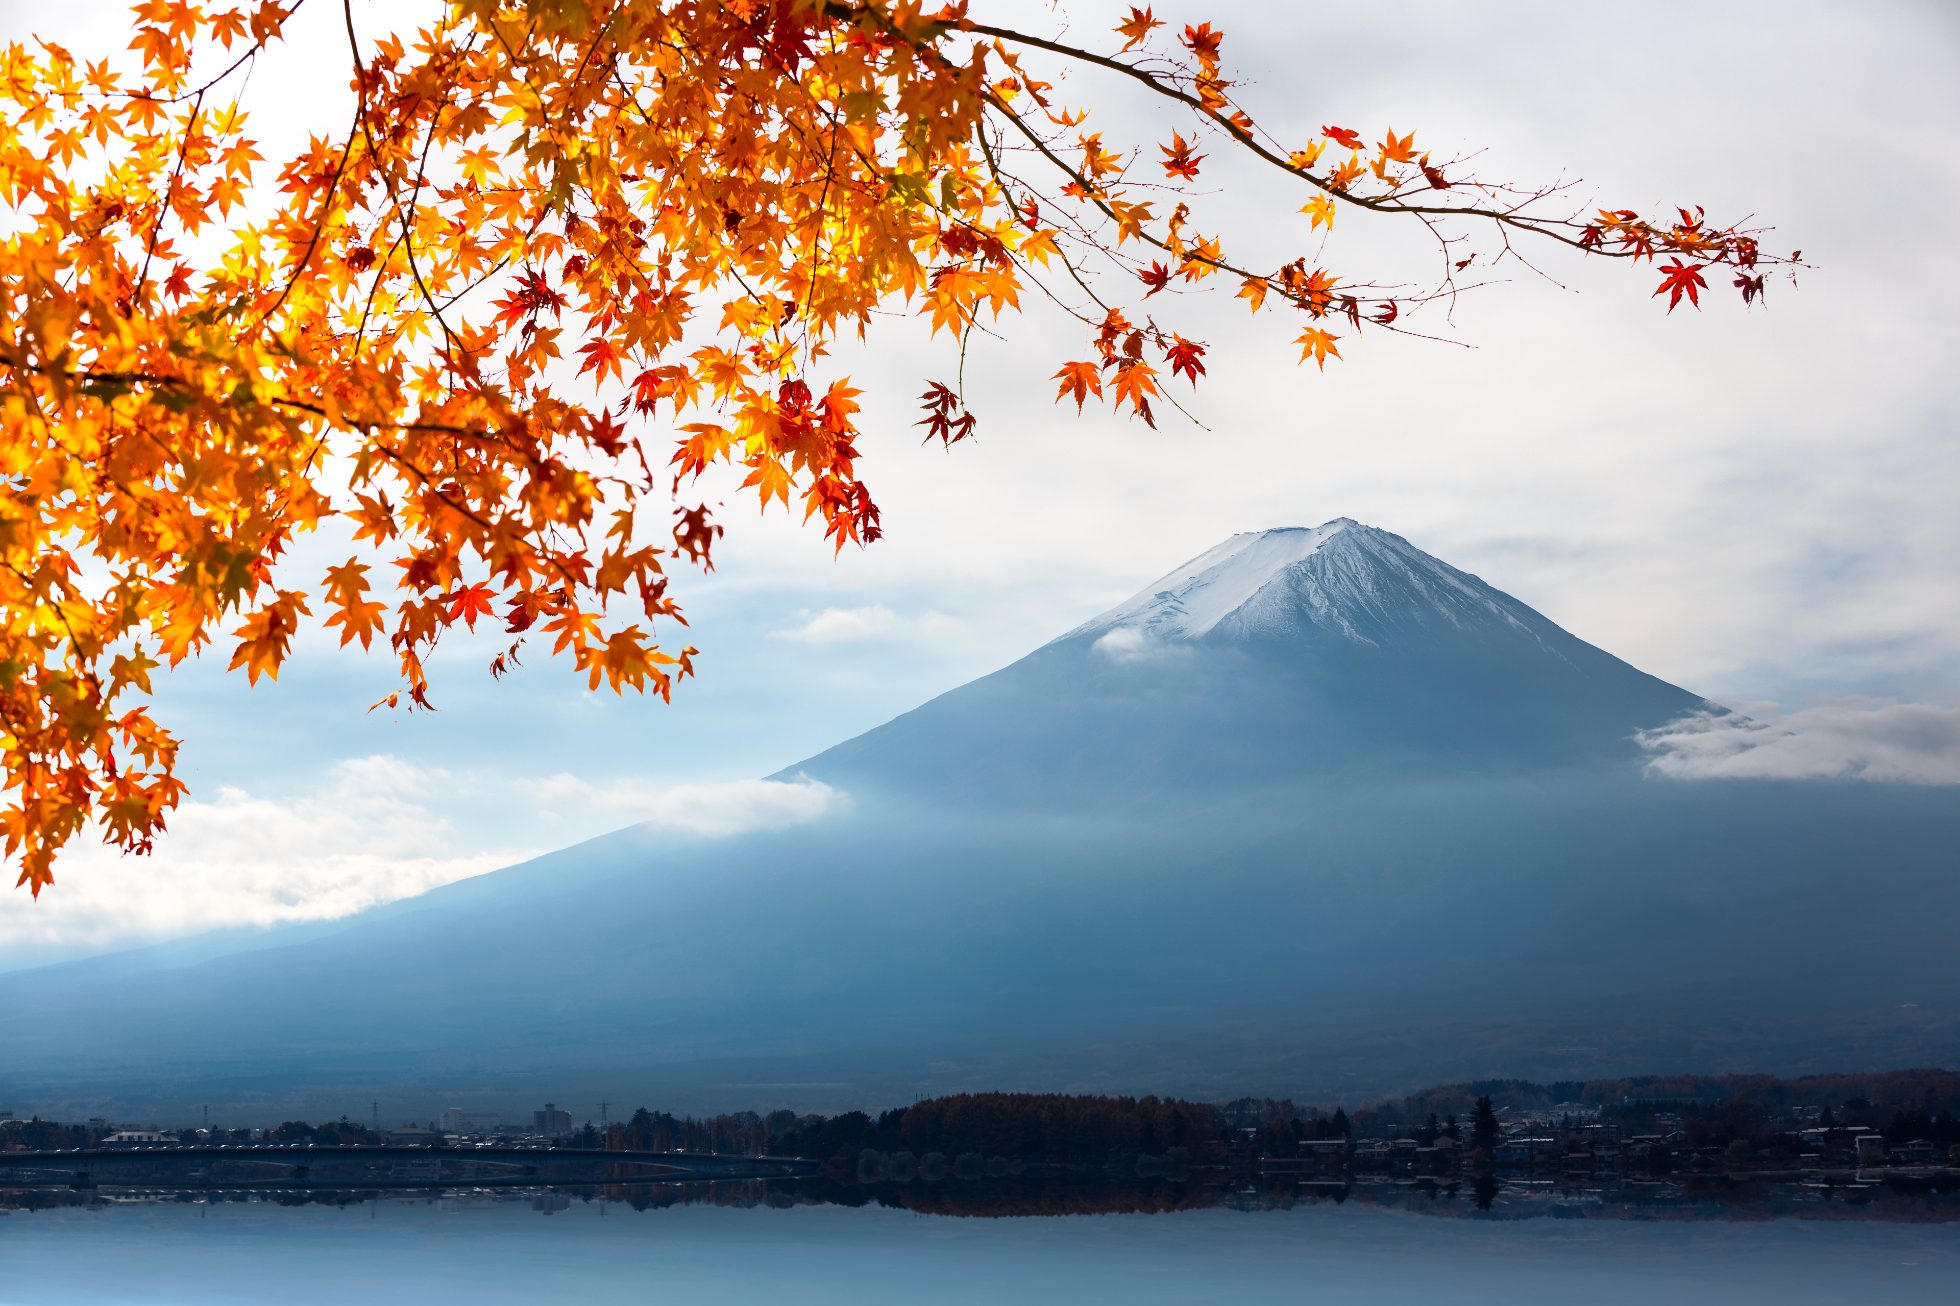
469	603
1678	279
1343	136
1202	41
1178	159
1186	356
944	419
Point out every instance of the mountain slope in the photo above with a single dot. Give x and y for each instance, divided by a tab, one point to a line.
1314	814
1278	655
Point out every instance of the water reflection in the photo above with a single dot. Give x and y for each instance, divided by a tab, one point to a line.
1893	1200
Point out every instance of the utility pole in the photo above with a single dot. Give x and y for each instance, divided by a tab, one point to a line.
605	1128
374	1108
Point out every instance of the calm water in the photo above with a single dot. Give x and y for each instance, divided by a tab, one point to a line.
571	1247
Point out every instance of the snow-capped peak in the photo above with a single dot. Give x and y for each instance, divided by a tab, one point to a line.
1218	582
1341	577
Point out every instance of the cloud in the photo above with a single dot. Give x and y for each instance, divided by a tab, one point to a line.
842	626
872	623
1845	739
1127	644
376	829
707	810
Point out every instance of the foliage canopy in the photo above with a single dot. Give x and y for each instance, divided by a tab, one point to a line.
562	257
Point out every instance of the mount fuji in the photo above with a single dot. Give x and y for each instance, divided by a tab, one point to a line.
1314	814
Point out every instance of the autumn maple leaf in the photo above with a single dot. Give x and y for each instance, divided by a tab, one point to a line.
601	357
1343	136
1080	380
1186	356
1678	279
1178	159
1136	28
1318	345
1202	40
941	403
469	603
1398	151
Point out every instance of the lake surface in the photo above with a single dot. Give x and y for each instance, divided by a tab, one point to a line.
666	1246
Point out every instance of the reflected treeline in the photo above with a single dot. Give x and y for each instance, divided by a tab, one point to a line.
1033	1194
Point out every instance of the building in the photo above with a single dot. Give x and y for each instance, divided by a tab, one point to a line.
551	1121
138	1138
455	1120
415	1134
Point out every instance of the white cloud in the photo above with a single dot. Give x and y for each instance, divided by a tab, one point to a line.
1848	739
872	623
842	626
708	810
375	830
1128	644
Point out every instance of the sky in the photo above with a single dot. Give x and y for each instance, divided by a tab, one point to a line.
1753	503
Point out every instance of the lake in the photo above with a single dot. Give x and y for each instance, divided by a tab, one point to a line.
744	1244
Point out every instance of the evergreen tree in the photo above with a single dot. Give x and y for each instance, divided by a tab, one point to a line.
1483	1130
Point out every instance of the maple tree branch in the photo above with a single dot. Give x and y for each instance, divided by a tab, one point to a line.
1558	229
320	224
1092	191
364	425
374	287
429	484
163	211
257	47
1000	179
1184	256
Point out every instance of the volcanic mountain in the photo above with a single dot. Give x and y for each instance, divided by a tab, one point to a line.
1275	657
1314	814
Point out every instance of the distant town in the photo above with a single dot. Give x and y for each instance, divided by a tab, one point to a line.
1898	1123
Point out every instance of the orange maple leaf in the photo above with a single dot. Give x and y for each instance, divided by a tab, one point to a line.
1398	151
469	603
1079	380
1136	28
1318	345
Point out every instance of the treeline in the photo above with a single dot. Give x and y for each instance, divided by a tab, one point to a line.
1047	1126
334	1133
743	1132
39	1135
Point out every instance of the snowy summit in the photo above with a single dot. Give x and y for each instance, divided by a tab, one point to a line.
1342	577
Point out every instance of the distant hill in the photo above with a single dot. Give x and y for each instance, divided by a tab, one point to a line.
1316	815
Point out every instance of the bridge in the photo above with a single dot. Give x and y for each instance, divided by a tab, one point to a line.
385	1165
